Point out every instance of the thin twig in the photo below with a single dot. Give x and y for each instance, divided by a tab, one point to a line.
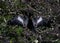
33	9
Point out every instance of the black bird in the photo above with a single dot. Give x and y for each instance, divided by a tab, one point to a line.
19	20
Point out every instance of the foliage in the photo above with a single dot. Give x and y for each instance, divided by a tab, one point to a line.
18	34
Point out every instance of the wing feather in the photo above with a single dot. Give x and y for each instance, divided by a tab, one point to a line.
20	19
39	20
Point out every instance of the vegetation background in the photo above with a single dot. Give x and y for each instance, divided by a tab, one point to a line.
17	34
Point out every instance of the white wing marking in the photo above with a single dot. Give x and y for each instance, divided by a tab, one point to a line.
39	20
20	19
